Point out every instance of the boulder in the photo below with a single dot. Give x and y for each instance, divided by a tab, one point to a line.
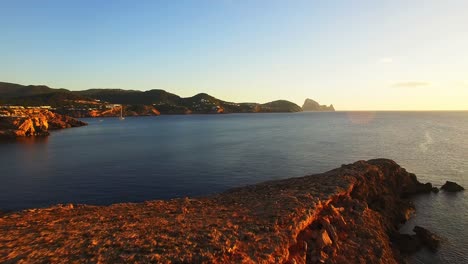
407	244
418	188
427	238
452	187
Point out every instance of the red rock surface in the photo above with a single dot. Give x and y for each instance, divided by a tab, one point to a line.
33	122
342	216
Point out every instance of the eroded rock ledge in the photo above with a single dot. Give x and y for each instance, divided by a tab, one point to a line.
33	122
342	216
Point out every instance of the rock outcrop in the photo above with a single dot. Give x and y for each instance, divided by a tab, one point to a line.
311	105
409	244
33	122
406	243
427	238
452	187
419	188
345	215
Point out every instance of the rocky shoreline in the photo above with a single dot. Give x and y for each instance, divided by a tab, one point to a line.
347	215
33	122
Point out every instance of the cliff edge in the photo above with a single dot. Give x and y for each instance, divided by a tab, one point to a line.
346	215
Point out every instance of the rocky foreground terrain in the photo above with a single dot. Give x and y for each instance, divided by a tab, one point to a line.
33	122
347	215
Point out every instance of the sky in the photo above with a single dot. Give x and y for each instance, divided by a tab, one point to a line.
356	55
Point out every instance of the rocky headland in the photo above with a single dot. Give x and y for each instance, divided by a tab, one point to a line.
347	215
311	105
25	122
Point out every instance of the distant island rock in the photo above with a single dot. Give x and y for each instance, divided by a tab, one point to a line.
108	102
311	105
346	215
24	122
450	186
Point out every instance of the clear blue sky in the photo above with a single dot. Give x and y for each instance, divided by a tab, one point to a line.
384	55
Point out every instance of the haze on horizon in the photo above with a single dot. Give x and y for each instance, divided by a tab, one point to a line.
359	55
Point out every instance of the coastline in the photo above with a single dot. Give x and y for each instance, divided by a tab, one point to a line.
35	122
346	214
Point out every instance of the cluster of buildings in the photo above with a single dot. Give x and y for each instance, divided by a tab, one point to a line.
90	108
25	107
20	111
205	105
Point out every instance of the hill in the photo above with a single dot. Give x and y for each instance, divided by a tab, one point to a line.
119	96
12	90
100	102
280	106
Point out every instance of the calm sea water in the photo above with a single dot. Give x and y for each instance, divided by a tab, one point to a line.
164	157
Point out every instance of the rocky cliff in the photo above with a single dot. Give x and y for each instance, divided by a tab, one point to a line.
311	105
33	122
346	215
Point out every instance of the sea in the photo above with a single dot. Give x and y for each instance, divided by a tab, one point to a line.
145	158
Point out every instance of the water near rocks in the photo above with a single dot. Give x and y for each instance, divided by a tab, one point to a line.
163	157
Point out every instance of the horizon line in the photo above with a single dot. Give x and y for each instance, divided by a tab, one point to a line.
344	110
